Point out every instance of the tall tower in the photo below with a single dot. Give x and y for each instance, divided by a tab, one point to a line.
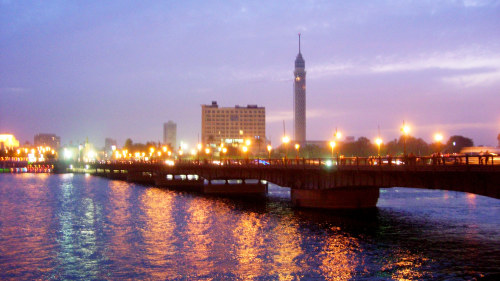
299	98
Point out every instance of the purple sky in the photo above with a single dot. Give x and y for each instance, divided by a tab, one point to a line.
121	68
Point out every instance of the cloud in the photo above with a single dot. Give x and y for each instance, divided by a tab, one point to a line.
480	67
472	80
480	3
13	90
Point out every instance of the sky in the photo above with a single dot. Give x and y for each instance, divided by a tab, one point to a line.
120	69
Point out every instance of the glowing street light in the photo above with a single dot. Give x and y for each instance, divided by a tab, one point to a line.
286	140
378	141
332	145
269	148
405	130
297	147
248	142
438	137
338	136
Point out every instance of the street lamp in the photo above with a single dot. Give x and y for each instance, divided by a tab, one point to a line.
438	137
332	145
245	150
297	147
199	151
338	135
286	140
378	141
269	148
224	151
405	130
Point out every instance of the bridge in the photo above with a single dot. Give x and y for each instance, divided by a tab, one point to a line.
318	183
351	182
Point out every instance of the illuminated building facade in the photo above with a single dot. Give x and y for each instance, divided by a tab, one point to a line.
232	125
170	134
299	99
48	140
8	141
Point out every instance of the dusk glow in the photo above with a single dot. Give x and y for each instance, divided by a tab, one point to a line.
121	69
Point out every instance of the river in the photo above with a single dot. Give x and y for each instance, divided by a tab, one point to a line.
81	227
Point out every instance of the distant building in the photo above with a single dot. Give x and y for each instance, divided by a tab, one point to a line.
498	138
8	141
233	125
299	99
48	140
349	139
109	143
170	134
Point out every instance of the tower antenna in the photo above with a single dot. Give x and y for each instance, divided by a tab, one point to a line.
299	43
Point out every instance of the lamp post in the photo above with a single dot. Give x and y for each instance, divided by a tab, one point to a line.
245	150
378	141
338	135
438	137
207	151
405	130
269	148
199	151
332	145
224	151
286	140
297	147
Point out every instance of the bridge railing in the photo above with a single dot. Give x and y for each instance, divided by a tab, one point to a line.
448	160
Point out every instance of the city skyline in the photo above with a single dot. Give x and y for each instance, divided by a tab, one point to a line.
111	69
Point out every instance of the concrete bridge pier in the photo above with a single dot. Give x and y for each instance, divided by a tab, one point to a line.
337	198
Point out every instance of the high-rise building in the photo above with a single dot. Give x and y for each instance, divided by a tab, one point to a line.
48	140
299	99
109	143
233	125
170	134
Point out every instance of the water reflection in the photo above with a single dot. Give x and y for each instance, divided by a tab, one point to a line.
249	243
159	238
25	226
404	265
77	239
121	229
339	256
199	242
83	227
286	249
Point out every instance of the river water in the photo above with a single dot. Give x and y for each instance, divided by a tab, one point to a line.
80	227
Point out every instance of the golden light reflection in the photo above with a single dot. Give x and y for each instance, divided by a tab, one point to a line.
120	223
287	247
407	266
249	242
35	221
471	200
339	257
199	238
158	234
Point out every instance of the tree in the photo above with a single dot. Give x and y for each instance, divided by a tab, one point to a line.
128	144
456	143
